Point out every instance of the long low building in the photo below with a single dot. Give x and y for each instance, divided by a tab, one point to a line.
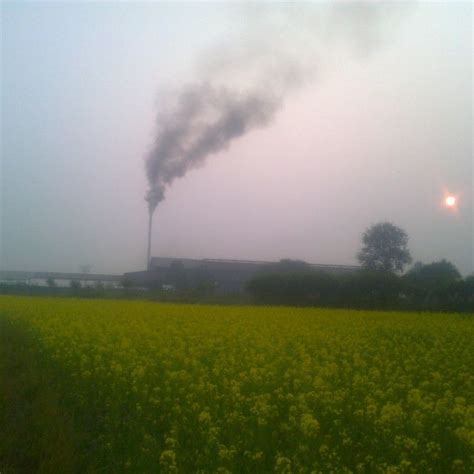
227	276
60	278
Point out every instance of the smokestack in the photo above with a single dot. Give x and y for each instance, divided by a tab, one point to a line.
150	215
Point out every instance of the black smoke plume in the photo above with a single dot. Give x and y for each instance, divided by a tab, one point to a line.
244	84
204	120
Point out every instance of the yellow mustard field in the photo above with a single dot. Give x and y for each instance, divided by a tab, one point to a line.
182	388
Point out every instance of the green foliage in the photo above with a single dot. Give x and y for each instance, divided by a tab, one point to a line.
365	290
437	284
385	248
370	289
362	289
142	387
432	276
299	289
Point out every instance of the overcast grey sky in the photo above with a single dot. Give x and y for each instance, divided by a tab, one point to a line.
381	131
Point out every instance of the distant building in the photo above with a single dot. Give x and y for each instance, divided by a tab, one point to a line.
59	278
225	276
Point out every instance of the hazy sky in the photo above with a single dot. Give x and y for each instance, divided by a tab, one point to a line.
380	132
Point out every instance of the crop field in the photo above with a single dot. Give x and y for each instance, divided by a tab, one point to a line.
109	386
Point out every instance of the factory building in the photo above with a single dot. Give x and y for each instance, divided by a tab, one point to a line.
225	276
60	279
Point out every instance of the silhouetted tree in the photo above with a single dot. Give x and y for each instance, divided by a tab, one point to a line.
434	275
370	289
436	285
467	293
298	288
384	248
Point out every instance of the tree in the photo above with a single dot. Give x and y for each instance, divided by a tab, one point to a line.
384	248
51	283
297	288
436	285
369	289
434	275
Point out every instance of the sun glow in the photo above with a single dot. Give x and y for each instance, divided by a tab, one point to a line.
450	201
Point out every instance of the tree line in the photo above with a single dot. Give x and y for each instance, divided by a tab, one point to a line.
379	284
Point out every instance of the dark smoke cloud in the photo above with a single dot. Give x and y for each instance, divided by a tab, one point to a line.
204	121
243	85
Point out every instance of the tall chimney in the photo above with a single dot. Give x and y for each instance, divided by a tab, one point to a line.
149	241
